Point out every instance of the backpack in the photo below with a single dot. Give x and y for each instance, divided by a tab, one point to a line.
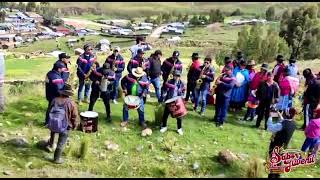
57	121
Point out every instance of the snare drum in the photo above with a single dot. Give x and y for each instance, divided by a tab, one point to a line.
133	102
89	121
176	107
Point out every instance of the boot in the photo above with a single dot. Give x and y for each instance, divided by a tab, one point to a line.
109	119
57	156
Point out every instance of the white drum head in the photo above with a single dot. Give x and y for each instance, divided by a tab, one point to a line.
240	77
132	100
89	114
172	99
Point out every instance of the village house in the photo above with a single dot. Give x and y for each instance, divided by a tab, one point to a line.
35	16
7	41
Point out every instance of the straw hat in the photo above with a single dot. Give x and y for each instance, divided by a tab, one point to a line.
138	72
251	63
67	90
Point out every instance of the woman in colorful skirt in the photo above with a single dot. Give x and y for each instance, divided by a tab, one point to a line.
286	90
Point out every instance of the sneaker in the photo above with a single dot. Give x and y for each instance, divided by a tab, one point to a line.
202	114
163	129
124	123
114	101
180	131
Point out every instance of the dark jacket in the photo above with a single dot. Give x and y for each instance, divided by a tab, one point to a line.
262	92
84	62
209	73
167	65
137	62
118	63
155	67
97	76
225	87
128	81
65	74
282	137
170	88
312	93
54	83
194	71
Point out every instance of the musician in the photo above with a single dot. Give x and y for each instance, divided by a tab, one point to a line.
85	64
227	62
64	59
223	92
54	83
173	88
116	61
140	44
169	66
192	76
138	61
97	76
206	76
155	72
278	70
136	84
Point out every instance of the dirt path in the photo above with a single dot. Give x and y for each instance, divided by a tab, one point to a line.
81	23
157	32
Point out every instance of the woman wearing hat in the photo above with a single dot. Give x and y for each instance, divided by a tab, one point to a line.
259	77
117	64
240	90
84	65
102	90
136	84
173	88
250	66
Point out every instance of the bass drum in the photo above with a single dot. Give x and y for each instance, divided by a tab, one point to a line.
89	121
176	107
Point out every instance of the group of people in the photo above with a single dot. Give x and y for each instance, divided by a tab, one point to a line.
239	84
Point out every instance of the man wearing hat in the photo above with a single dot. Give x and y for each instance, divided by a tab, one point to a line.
136	84
71	118
138	61
85	64
155	72
278	70
99	89
192	76
140	44
259	77
223	94
207	77
65	60
117	64
169	66
54	83
173	88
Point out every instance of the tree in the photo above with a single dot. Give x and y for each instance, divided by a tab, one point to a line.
2	16
3	4
216	16
237	12
179	17
148	19
22	7
31	6
158	20
270	14
185	18
204	19
195	20
295	26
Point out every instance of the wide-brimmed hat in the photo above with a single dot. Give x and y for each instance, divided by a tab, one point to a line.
67	90
195	55
117	48
252	63
138	72
264	66
64	55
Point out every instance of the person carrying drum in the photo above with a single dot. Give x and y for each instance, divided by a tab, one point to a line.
85	64
173	88
102	85
169	66
117	64
136	85
203	84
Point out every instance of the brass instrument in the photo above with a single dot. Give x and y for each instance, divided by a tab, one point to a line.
215	83
199	81
114	68
93	67
171	71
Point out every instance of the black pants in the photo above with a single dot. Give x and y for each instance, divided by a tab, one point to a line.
263	112
47	112
190	89
105	96
165	118
61	141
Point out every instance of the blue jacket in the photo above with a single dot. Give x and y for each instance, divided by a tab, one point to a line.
65	74
119	64
54	83
167	65
97	75
225	87
128	81
208	79
137	62
171	87
84	62
293	69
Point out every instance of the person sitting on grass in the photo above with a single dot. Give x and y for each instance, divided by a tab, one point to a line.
63	117
173	88
282	131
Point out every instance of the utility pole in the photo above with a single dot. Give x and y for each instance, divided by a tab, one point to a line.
2	71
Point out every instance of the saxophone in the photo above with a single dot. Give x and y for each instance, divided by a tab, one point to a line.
171	71
114	68
199	81
93	67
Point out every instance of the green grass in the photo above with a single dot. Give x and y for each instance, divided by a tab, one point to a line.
26	115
